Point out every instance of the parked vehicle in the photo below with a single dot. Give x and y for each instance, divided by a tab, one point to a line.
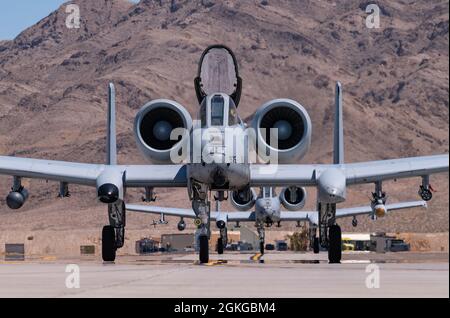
399	246
270	247
281	246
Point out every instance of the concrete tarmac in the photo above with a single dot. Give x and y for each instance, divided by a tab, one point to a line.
239	275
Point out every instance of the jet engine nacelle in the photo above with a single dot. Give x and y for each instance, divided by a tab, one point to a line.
153	126
16	199
294	129
293	198
243	200
110	187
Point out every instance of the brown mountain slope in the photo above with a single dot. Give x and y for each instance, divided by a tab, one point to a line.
53	86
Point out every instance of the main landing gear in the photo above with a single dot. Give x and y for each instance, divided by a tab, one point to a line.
202	209
425	190
314	242
113	235
203	242
335	244
330	235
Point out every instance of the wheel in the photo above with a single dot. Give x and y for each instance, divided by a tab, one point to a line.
335	245
261	248
109	244
220	246
316	247
426	194
204	249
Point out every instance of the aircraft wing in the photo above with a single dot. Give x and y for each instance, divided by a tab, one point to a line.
186	213
87	174
345	212
190	214
312	216
355	173
298	216
260	175
366	172
294	216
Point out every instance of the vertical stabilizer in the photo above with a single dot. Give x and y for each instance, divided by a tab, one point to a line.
111	146
338	152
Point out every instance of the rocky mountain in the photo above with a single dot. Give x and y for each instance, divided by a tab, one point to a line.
396	83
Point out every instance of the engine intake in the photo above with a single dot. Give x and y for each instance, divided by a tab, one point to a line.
243	200
293	198
294	129
153	126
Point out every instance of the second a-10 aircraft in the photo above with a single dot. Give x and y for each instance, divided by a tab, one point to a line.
264	210
202	157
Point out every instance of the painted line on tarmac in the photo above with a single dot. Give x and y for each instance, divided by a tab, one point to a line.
256	257
212	263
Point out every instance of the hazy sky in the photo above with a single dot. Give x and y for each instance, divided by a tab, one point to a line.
17	15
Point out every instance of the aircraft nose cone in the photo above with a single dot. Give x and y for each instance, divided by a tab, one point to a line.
284	129
108	193
162	130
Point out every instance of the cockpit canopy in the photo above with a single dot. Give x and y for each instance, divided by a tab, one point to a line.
218	72
218	110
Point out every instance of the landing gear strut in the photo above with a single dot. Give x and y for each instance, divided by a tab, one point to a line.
222	241
202	209
261	234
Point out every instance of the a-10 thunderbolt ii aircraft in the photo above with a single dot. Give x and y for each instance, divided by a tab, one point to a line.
201	157
265	211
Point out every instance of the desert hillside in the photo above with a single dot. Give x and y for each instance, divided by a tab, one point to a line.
396	83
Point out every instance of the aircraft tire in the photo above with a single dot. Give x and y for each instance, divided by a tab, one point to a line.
108	244
204	249
335	245
316	247
220	246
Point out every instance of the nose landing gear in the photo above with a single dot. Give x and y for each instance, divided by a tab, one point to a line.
261	234
330	234
113	235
